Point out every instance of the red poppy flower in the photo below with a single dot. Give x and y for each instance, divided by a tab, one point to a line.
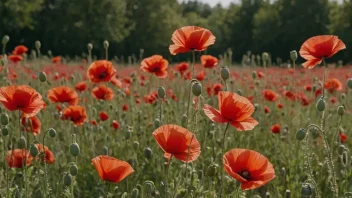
260	74
270	95
275	128
94	122
31	124
23	98
77	114
308	87
266	109
200	76
63	94
124	107
115	125
101	71
280	106
333	100
290	95
190	38
102	92
209	61
155	64
17	158
316	48
15	58
249	167
19	50
177	141
217	87
182	67
111	169
318	92
343	137
116	82
81	86
234	109
103	116
333	84
56	59
49	156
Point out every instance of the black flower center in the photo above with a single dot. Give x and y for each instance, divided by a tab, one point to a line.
245	174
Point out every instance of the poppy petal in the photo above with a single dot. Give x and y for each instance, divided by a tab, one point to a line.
245	125
213	114
309	64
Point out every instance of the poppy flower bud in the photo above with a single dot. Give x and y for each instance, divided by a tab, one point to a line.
106	44
343	96
314	88
52	132
345	158
287	194
301	134
341	110
257	83
265	56
184	120
21	143
42	76
293	55
321	105
3	62
341	149
4	131
33	150
5	39
74	149
224	73
254	74
148	153
239	92
306	190
149	187
67	179
267	194
73	170
135	145
283	171
211	170
105	150
156	123
135	193
161	92
197	89
4	119
90	47
349	83
37	45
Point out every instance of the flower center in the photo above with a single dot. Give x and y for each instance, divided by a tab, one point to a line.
245	174
103	75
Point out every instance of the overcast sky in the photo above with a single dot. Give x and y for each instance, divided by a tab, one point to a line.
223	2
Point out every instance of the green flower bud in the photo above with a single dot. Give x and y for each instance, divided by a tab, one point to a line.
21	143
306	190
341	110
90	46
128	134
52	132
149	187
267	194
211	170
341	149
135	193
42	76
33	150
156	123
105	150
265	56
287	194
37	45
3	61
4	118
301	134
257	83
345	158
67	179
254	74
106	44
148	153
224	73
161	92
321	105
135	145
5	39
314	88
293	55
184	120
197	89
349	83
74	149
73	170
239	92
4	131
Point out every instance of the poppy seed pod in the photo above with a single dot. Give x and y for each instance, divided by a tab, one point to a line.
52	132
224	73
89	46
74	149
105	150
5	131
211	170
4	119
287	194
239	92
21	143
5	39
37	45
265	56
341	110
197	89
301	134
321	104
156	123
293	55
135	193
73	170
135	145
349	83
343	96
254	74
184	120
67	179
33	150
345	158
257	83
341	149
314	88
148	153
306	190
267	194
3	61
149	187
161	92
42	76
106	44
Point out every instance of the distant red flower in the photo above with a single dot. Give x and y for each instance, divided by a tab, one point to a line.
19	50
155	64
343	137
56	59
182	67
266	109
102	92
316	48
190	38
125	107
318	92
116	82
63	94
201	75
308	87
115	125
111	169
290	95
260	74
275	128
103	116
270	95
188	75
49	156
77	114
217	87
94	122
209	61
16	158
333	100
101	71
81	86
333	84
280	106
31	124
15	58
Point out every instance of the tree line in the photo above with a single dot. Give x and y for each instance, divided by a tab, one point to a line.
144	27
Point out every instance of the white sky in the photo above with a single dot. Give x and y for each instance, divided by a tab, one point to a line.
227	2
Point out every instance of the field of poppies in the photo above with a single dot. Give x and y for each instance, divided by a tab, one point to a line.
203	128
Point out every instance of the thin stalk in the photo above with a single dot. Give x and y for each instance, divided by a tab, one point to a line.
167	176
107	189
106	54
222	151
